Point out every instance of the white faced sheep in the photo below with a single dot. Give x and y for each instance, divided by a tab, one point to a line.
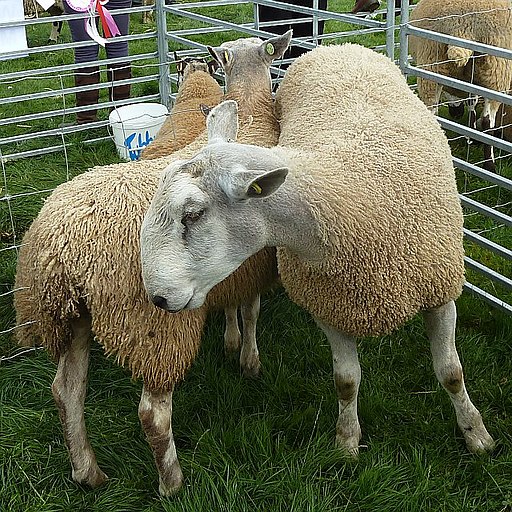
79	272
258	125
368	225
33	9
186	121
484	21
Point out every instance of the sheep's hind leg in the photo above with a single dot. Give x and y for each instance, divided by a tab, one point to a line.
68	388
155	410
440	323
489	113
347	377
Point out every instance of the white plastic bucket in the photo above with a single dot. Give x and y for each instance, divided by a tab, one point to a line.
135	126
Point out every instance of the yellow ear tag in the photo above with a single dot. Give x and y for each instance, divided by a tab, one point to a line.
256	188
226	56
270	49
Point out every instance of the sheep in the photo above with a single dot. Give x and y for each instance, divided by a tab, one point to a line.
186	120
33	9
484	21
85	277
198	88
368	225
260	124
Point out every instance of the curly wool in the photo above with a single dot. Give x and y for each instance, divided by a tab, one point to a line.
483	21
391	222
186	121
69	261
83	251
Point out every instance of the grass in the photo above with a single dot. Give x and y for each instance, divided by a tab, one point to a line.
264	444
267	444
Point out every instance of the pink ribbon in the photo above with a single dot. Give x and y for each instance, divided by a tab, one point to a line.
107	19
110	29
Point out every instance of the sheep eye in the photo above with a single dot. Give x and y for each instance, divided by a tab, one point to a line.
191	217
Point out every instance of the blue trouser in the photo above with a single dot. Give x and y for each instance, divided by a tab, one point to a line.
113	48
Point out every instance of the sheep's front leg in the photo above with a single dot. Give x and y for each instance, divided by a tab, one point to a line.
249	354
155	410
440	323
489	113
68	388
347	377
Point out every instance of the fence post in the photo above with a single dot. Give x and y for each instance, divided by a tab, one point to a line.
390	29
315	23
256	16
162	50
404	41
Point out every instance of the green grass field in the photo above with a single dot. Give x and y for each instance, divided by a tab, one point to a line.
263	445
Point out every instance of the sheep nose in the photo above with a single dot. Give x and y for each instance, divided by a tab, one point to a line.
160	302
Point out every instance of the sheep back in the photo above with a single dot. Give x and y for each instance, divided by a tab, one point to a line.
374	168
82	252
185	121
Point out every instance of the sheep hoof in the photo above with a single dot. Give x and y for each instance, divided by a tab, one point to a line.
349	446
478	439
251	370
173	480
93	477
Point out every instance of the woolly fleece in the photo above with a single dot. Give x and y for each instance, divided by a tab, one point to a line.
83	249
376	171
484	21
186	121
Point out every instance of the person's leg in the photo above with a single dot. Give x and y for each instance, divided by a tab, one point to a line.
86	75
116	49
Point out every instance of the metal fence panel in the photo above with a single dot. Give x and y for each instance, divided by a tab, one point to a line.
33	131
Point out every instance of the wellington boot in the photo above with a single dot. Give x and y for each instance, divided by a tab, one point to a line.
115	73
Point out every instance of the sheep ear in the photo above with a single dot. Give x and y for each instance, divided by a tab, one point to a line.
252	184
205	109
223	56
222	122
275	47
213	65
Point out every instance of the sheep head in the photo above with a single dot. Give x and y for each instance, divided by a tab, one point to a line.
250	58
207	216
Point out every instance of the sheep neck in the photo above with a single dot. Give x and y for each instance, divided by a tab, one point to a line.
290	223
252	102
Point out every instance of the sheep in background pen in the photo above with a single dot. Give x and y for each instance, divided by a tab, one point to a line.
360	199
33	9
483	21
79	272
